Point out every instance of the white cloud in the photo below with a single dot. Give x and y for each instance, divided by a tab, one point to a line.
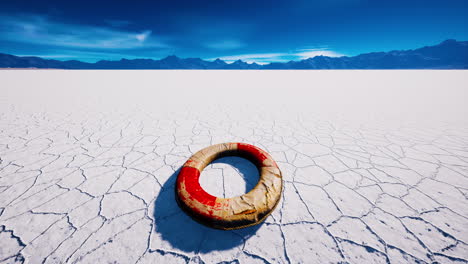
143	36
310	53
41	30
264	58
260	58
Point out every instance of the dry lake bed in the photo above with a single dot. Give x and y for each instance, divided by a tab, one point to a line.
375	165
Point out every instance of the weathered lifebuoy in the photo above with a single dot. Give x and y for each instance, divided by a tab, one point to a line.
229	213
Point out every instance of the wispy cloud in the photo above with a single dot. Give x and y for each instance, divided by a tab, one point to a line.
40	30
260	58
143	36
264	58
113	40
310	53
226	44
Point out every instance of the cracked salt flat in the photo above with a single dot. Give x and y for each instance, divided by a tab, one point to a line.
88	162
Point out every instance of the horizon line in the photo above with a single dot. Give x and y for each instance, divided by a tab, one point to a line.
221	58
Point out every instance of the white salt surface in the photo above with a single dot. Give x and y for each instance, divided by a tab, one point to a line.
375	165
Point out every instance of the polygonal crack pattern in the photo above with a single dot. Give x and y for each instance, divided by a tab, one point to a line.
99	187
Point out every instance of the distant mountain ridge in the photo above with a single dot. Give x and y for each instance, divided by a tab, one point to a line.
450	54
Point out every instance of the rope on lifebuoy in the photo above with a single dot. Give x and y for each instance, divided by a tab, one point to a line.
229	213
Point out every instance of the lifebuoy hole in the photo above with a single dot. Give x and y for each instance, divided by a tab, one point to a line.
229	176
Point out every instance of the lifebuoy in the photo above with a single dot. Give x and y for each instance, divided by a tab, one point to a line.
229	213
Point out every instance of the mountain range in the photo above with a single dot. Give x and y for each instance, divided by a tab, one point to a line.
449	54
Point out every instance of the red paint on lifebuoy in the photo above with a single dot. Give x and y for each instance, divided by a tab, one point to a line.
252	150
190	176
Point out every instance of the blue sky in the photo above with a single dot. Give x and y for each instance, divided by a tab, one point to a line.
256	30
